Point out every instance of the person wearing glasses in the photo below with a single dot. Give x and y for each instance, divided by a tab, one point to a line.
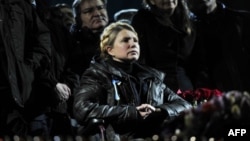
91	17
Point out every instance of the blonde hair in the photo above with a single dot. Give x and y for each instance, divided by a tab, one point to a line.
109	35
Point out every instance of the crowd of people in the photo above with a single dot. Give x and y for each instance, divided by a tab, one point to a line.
71	71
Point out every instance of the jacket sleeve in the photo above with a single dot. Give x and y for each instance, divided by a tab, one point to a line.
174	105
90	101
40	42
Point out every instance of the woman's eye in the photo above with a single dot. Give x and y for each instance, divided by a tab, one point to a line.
126	39
135	40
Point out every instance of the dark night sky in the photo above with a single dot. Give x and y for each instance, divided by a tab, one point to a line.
116	5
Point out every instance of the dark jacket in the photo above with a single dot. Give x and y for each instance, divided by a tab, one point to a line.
86	46
164	47
26	41
24	49
58	71
221	58
108	93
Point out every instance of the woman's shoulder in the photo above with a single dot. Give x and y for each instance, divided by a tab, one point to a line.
102	67
152	71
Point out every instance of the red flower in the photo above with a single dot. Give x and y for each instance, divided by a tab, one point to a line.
199	94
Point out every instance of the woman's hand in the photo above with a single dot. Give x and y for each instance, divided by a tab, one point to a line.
145	110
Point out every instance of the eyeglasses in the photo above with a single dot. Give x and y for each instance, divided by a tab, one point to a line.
92	9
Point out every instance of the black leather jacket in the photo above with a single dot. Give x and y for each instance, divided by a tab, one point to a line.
108	93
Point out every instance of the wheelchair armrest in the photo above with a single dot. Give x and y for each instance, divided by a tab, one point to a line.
92	127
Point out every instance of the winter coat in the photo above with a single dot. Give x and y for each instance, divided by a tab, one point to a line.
58	71
106	92
164	47
86	46
221	57
24	49
26	41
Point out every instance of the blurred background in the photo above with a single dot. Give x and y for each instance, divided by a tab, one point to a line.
116	5
113	5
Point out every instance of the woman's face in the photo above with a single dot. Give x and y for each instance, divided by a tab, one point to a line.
126	47
165	4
